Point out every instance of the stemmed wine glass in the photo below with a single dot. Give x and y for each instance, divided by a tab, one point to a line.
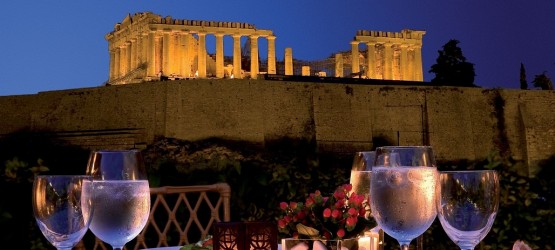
121	197
62	211
361	173
467	204
402	191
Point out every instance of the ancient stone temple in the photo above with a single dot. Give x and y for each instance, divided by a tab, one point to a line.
146	46
388	55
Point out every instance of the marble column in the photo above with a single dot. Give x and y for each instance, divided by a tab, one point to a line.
404	63
371	60
219	55
201	55
355	62
338	65
123	60
418	63
254	56
158	52
151	55
237	56
166	53
388	59
129	57
271	54
132	54
186	59
288	61
115	65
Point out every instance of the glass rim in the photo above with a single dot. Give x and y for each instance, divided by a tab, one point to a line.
116	151
403	147
467	171
63	175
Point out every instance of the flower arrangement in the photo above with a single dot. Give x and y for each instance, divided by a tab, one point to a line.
343	215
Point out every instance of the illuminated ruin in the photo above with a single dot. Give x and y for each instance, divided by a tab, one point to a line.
146	47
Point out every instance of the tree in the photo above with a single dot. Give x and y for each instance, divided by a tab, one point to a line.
543	81
451	67
523	82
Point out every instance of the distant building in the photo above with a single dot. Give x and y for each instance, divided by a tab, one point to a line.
145	44
146	47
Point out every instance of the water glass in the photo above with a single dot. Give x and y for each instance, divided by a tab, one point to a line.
121	197
361	173
61	211
402	191
467	204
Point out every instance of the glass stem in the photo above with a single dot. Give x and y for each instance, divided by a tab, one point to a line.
405	246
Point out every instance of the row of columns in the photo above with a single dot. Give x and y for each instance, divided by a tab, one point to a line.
171	52
410	68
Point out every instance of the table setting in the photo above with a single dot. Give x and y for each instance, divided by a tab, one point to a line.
394	190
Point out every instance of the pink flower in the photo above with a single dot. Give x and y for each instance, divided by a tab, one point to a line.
327	213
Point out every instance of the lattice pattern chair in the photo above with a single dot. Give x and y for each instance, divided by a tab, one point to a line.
181	215
255	235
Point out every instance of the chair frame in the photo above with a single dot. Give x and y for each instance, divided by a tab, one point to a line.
158	194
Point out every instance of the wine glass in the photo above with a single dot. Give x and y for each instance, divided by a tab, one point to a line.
360	180
62	212
467	204
402	191
121	197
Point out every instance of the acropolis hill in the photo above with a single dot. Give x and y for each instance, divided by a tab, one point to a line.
340	117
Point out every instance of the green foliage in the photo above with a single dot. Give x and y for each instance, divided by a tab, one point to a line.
543	82
17	171
259	178
451	67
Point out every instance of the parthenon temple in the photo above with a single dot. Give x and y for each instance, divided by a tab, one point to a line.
389	55
147	46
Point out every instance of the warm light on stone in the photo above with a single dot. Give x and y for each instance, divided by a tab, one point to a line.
144	45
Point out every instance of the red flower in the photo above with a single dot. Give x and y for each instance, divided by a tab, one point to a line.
327	213
339	194
309	202
352	212
348	187
336	214
351	221
282	223
341	215
283	205
293	205
341	233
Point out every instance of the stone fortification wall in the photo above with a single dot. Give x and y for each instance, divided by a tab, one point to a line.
460	123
